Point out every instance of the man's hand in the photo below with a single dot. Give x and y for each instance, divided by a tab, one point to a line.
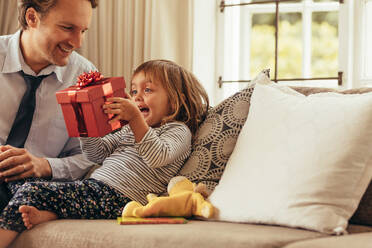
18	163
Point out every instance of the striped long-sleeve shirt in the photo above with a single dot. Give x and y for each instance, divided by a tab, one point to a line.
136	169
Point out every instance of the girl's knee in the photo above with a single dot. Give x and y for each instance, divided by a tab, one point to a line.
26	187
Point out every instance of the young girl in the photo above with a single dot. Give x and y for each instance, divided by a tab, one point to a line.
165	108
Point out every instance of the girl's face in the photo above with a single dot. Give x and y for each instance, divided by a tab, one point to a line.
151	98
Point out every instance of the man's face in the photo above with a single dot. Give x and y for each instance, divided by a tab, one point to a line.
59	33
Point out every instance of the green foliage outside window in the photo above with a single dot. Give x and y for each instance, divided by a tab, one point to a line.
324	59
324	48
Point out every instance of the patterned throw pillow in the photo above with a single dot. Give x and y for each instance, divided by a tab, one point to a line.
216	137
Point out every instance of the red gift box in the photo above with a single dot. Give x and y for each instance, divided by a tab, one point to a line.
82	106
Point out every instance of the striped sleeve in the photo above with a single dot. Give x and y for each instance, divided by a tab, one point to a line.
158	149
97	149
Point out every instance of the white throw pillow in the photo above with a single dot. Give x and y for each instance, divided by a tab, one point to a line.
299	161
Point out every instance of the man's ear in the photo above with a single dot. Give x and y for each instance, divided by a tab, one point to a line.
32	17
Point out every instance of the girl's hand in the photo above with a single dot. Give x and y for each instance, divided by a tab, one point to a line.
126	109
122	109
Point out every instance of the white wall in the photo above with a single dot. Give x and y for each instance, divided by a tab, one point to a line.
204	44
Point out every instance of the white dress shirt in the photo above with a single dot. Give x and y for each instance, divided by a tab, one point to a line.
48	135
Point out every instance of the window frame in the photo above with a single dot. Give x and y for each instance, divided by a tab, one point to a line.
305	8
365	78
211	35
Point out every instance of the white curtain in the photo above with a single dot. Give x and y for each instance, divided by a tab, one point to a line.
8	16
125	33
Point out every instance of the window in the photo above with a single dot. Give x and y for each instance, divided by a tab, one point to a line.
307	42
366	73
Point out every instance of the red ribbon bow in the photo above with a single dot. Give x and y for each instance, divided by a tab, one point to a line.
90	78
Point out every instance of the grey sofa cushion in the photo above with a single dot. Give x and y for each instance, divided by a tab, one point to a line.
206	234
108	234
363	215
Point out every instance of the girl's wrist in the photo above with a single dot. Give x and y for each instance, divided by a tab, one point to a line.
135	120
139	127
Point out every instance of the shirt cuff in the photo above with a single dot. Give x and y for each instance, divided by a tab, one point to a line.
57	166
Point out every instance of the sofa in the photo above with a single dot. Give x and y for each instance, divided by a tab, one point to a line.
212	148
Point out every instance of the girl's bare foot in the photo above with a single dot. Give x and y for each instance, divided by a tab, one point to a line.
32	216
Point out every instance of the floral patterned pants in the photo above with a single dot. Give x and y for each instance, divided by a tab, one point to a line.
85	199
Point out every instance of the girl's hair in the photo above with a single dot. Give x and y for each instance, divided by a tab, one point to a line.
41	6
187	98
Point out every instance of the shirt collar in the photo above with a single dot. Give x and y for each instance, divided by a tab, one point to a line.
15	62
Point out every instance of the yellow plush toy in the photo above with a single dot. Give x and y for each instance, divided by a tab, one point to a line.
182	201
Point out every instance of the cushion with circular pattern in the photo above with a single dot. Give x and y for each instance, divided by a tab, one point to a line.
216	137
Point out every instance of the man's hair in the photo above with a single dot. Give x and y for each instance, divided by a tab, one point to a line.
188	99
41	6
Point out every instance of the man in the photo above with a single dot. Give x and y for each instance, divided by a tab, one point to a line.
51	31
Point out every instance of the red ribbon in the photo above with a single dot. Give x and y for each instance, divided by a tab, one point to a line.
82	129
88	79
84	80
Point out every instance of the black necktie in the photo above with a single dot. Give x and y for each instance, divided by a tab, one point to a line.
22	123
